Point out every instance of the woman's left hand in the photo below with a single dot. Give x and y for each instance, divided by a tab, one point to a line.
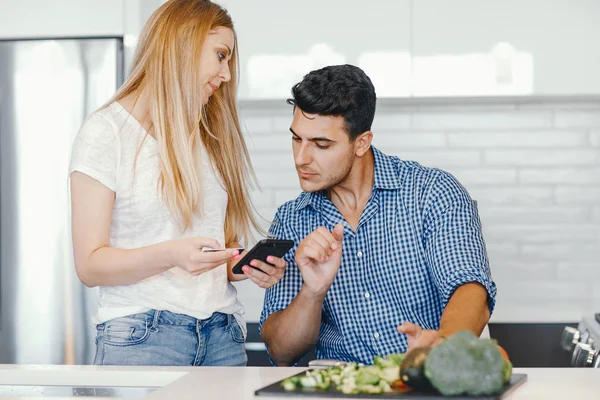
266	274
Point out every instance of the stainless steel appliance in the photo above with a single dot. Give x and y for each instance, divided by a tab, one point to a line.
583	342
47	88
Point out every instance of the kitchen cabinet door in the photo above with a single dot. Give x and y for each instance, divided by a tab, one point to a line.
281	41
505	47
60	18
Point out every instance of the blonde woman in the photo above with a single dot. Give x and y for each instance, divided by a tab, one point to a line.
157	175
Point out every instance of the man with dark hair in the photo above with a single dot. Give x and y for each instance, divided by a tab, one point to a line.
388	254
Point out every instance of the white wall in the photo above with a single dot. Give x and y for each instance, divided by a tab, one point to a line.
534	169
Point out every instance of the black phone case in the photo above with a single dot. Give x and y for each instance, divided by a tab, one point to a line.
263	249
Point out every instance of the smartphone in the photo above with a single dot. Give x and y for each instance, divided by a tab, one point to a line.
263	249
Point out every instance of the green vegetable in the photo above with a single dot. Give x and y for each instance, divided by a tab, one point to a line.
372	389
323	380
350	378
412	370
366	377
308	382
389	375
382	362
507	371
392	360
396	358
465	364
288	385
291	383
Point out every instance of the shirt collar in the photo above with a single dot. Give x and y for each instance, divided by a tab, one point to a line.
386	177
386	173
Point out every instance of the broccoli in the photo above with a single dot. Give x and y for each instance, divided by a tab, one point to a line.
465	364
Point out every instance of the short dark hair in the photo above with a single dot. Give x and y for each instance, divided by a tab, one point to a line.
338	90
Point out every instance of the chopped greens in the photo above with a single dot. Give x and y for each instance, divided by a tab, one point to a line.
351	378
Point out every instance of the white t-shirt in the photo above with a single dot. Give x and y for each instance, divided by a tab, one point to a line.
105	149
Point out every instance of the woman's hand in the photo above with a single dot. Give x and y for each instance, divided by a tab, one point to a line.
187	254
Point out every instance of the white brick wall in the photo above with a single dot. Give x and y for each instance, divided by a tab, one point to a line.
533	168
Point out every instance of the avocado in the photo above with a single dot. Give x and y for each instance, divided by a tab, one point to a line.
412	369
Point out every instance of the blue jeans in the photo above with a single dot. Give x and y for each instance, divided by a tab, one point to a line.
169	339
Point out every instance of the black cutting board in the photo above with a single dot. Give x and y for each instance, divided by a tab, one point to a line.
277	390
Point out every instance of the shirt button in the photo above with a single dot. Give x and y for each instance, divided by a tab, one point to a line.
367	295
359	254
376	335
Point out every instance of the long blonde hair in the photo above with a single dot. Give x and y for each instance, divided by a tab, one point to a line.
165	65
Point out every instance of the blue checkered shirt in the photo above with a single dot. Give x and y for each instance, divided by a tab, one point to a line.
418	239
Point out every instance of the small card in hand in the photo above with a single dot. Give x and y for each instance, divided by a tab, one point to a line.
209	250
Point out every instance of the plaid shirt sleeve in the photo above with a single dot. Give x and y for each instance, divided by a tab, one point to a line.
279	296
453	240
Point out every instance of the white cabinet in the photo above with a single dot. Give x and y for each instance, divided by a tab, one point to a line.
22	19
409	48
505	47
60	18
280	41
423	48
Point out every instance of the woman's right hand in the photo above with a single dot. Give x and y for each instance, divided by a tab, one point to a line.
187	254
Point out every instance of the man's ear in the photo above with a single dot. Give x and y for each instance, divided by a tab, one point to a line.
362	143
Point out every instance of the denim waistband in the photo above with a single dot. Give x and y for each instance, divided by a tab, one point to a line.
162	317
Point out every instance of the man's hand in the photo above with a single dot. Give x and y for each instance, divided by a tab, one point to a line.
419	337
267	274
319	257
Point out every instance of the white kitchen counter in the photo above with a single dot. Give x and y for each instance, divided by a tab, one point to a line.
235	383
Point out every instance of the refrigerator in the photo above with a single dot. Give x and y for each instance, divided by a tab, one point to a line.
47	89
